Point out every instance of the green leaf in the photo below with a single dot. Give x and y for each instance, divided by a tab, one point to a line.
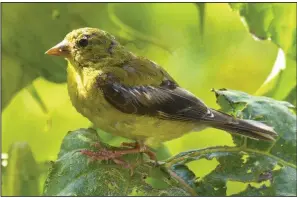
276	21
201	7
34	93
13	78
123	17
291	97
251	161
73	174
281	86
21	176
277	114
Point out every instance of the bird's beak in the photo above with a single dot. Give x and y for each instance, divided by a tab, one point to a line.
61	49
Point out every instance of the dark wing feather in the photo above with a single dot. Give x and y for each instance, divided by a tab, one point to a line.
166	101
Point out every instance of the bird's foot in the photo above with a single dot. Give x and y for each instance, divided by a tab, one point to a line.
140	148
105	154
115	155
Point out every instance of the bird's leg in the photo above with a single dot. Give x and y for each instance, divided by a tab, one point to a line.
142	149
102	154
105	154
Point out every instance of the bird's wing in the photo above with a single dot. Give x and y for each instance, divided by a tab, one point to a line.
167	101
137	71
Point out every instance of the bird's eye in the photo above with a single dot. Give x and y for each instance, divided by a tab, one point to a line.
83	42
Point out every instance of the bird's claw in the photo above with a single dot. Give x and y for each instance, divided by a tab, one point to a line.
115	155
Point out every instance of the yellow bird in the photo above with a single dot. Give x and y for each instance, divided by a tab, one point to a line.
133	97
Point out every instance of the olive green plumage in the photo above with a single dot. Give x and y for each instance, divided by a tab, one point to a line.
133	97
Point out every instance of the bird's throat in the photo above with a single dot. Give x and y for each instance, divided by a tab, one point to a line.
82	79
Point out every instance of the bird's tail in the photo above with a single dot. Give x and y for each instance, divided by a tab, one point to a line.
249	128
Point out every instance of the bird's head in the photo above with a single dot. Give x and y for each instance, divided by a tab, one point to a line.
85	46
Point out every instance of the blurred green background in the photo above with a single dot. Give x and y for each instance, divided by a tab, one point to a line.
202	46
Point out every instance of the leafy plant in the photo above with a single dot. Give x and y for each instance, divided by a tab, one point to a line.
22	175
73	174
251	160
274	21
